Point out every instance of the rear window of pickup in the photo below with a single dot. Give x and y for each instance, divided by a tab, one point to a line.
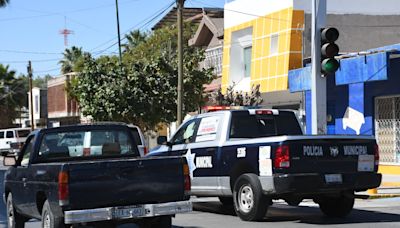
246	125
85	144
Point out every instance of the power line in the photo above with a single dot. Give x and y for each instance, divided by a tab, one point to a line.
31	52
146	22
242	12
46	71
47	14
37	61
150	19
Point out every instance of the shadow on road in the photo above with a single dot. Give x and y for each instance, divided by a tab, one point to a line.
214	207
303	214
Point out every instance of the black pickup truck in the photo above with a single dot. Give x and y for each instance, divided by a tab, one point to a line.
93	174
249	157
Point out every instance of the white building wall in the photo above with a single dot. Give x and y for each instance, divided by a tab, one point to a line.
36	103
241	11
364	7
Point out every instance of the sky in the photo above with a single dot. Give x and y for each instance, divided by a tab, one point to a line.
30	30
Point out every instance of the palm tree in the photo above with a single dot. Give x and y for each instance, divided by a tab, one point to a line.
134	38
71	57
3	3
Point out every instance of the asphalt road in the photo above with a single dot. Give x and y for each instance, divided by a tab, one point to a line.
208	212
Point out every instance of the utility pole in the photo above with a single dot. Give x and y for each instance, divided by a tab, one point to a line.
31	95
119	35
318	83
180	4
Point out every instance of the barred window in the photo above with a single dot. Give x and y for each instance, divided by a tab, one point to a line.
214	59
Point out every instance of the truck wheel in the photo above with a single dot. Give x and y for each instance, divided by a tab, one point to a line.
336	206
249	201
49	220
14	219
226	200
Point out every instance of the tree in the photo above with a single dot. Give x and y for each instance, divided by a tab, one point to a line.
72	60
134	38
13	95
41	82
3	3
143	90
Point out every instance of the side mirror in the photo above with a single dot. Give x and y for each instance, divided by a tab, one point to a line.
162	140
9	161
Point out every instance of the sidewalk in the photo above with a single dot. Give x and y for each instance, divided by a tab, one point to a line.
390	187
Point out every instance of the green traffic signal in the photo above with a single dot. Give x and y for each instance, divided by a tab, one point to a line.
329	50
330	65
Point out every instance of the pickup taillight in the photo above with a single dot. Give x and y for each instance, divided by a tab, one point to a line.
282	157
376	154
145	150
63	190
186	174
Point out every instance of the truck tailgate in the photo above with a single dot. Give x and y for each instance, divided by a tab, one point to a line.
334	154
125	182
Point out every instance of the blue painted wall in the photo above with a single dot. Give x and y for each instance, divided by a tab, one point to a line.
360	69
357	95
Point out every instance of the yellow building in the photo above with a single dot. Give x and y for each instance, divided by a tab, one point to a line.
262	41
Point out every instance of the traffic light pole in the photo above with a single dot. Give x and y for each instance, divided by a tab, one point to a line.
318	83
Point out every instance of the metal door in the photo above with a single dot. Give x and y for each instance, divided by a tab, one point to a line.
387	128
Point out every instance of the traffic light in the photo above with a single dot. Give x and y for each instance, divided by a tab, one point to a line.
329	50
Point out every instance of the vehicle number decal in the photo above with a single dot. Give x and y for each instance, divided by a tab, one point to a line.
204	162
241	152
264	160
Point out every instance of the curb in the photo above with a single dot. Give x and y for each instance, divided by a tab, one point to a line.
390	185
381	196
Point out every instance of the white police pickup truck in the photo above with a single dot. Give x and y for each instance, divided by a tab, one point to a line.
250	157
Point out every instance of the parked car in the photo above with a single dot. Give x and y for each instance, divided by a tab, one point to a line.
12	139
249	157
93	174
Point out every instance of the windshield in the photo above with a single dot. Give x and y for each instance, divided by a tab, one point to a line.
88	143
244	125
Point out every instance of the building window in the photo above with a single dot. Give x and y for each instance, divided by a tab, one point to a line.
36	104
274	44
247	61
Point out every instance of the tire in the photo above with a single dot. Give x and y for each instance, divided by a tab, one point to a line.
14	219
157	222
49	220
337	207
226	200
249	201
